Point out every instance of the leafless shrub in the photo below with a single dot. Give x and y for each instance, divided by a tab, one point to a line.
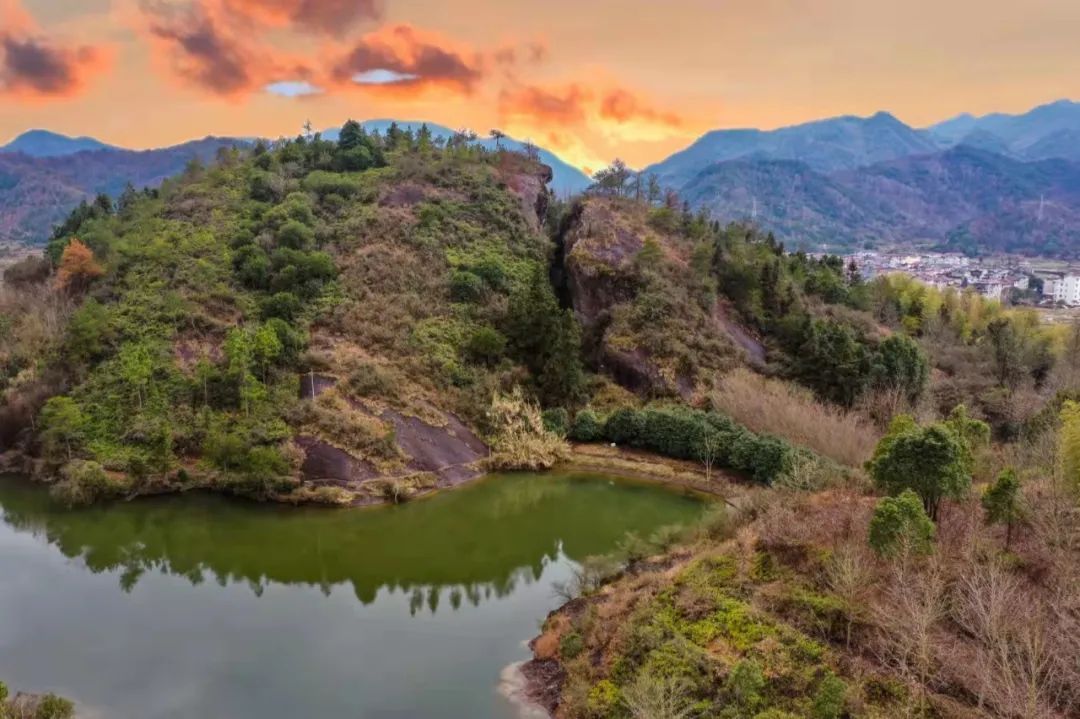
651	696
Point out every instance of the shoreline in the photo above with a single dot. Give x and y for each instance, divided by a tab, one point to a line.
596	459
515	686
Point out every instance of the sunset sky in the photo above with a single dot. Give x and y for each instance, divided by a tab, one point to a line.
589	79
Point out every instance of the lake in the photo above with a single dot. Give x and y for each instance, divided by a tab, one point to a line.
201	607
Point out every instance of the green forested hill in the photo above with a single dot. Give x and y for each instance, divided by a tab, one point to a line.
363	319
390	271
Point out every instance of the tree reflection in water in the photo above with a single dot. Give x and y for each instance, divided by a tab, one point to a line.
468	545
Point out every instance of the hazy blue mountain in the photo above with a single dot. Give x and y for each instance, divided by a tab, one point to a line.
38	192
963	198
825	146
567	180
42	143
802	206
1047	131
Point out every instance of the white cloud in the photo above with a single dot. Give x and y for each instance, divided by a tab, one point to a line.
293	88
382	77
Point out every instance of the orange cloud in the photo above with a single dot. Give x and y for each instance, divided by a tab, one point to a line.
36	68
563	106
622	106
204	48
330	17
405	59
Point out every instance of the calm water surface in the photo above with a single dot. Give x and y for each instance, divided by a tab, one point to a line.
199	607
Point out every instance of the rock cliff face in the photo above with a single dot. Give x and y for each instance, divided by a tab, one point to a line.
647	322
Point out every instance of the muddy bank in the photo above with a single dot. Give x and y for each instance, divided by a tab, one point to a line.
520	683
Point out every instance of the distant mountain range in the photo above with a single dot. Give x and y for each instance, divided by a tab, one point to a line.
978	184
42	143
44	175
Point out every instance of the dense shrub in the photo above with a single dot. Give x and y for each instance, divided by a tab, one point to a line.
466	287
693	435
625	426
557	421
586	427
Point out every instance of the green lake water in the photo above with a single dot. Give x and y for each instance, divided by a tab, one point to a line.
198	607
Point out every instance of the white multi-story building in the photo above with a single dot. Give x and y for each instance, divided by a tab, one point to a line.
1065	289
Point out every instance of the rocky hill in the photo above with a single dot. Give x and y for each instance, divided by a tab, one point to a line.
364	319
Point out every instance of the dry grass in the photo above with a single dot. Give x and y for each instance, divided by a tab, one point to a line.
521	441
775	407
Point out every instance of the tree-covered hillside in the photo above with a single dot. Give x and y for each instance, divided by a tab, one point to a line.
403	278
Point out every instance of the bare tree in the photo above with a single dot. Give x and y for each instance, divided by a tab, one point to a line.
651	696
849	574
1017	671
710	453
910	614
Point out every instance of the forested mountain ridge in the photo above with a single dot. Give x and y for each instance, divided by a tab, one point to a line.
36	192
44	175
999	183
963	198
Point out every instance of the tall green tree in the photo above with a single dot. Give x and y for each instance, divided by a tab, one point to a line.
1001	502
547	339
900	363
136	364
931	461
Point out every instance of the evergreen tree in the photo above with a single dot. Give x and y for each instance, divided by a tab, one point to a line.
900	526
1001	502
548	340
931	461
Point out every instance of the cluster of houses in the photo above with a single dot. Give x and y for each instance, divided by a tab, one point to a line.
992	277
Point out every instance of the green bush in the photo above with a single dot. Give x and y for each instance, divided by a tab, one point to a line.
586	427
466	287
284	305
604	698
85	482
332	183
557	421
900	524
295	235
763	457
745	684
54	707
829	700
486	346
625	426
571	645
